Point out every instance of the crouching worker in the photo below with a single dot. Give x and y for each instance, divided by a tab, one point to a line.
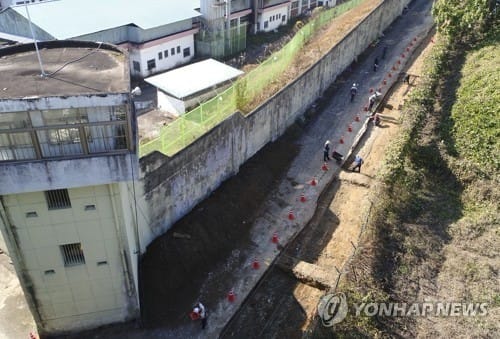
199	312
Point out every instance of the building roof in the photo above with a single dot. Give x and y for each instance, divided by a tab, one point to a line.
14	38
188	80
74	68
65	19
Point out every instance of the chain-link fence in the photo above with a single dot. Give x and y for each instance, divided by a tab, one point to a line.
190	126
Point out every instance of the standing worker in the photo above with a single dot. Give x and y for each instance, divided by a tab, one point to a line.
375	65
354	91
326	151
358	161
200	311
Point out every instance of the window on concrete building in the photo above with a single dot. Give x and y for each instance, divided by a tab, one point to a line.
178	49
57	199
165	53
187	52
283	18
160	56
266	24
72	254
172	51
136	65
151	64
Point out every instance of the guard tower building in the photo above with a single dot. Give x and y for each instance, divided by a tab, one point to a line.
67	165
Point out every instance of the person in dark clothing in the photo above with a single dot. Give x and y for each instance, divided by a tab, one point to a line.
326	151
358	161
354	90
375	65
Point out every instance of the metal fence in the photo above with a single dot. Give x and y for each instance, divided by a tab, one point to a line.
192	125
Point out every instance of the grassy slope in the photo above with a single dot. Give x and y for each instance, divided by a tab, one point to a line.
435	233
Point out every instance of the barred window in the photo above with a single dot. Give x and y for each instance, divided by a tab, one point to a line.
72	254
57	199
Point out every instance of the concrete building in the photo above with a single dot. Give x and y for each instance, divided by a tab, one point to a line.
224	26
178	93
158	35
67	165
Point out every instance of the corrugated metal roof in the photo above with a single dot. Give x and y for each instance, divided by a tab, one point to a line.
185	81
65	19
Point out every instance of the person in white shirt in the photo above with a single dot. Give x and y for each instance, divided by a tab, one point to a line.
200	310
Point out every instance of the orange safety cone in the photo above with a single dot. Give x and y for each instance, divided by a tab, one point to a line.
303	198
341	139
349	128
230	296
324	167
255	264
275	239
394	68
356	118
313	182
399	62
291	216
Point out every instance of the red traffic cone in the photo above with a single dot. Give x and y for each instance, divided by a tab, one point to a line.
394	68
291	216
230	296
366	108
414	39
255	264
371	90
356	118
403	55
324	167
407	49
341	139
303	198
389	75
385	82
275	239
349	128
32	336
313	182
399	62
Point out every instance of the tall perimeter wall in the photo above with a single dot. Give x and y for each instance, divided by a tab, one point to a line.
172	186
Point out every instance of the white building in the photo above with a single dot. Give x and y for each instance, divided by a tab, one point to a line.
8	3
67	161
159	35
177	92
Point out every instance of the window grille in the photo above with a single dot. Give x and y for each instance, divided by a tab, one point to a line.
57	199
72	254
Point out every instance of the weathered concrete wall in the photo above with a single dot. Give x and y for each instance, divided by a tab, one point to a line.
174	185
